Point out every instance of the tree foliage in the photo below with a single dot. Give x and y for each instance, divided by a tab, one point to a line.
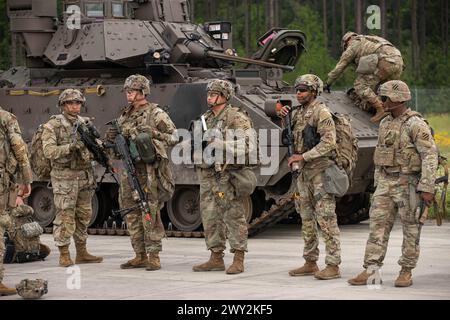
323	50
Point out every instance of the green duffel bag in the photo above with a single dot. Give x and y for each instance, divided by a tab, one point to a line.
244	181
335	181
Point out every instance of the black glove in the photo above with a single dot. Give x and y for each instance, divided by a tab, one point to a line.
328	88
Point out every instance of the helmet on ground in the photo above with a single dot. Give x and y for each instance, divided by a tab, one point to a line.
396	90
222	86
137	82
71	95
311	81
347	37
32	289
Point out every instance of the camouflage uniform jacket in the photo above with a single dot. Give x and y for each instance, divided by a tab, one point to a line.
151	119
359	47
319	116
406	146
230	118
11	140
57	136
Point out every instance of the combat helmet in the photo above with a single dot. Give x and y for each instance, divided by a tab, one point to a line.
396	90
71	95
137	82
311	81
222	86
347	37
32	289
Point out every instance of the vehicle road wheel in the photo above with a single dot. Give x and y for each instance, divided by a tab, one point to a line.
184	208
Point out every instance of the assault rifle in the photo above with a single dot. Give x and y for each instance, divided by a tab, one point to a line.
287	136
89	135
122	148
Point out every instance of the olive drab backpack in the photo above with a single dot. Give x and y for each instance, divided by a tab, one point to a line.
347	144
40	165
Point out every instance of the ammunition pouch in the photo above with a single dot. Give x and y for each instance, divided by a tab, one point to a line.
244	181
310	137
335	181
142	149
368	64
384	156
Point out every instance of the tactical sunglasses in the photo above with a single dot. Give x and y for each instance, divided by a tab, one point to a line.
301	90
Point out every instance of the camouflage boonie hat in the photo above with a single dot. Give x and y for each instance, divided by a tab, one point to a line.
347	37
222	86
71	95
311	81
32	289
137	82
396	90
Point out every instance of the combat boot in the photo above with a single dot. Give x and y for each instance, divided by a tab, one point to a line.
64	256
380	112
360	279
330	272
404	279
308	269
238	263
5	291
83	256
153	262
44	250
215	263
140	261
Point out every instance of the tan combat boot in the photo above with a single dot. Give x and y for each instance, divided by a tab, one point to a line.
83	256
153	262
5	291
140	261
330	272
380	112
215	263
404	279
309	268
360	279
238	263
64	256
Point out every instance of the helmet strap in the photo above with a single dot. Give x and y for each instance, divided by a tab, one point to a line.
215	104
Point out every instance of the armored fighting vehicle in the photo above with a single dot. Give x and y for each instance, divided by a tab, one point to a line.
94	45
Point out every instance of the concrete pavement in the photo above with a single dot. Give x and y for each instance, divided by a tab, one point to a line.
271	255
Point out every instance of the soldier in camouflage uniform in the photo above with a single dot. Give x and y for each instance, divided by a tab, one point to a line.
377	61
142	116
72	177
13	161
222	211
406	161
314	204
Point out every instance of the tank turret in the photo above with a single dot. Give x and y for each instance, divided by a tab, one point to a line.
94	45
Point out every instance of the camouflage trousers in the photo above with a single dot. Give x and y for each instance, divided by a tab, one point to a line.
145	232
315	206
222	213
394	194
5	223
366	84
73	191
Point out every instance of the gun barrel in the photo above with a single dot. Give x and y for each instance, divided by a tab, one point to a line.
222	56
